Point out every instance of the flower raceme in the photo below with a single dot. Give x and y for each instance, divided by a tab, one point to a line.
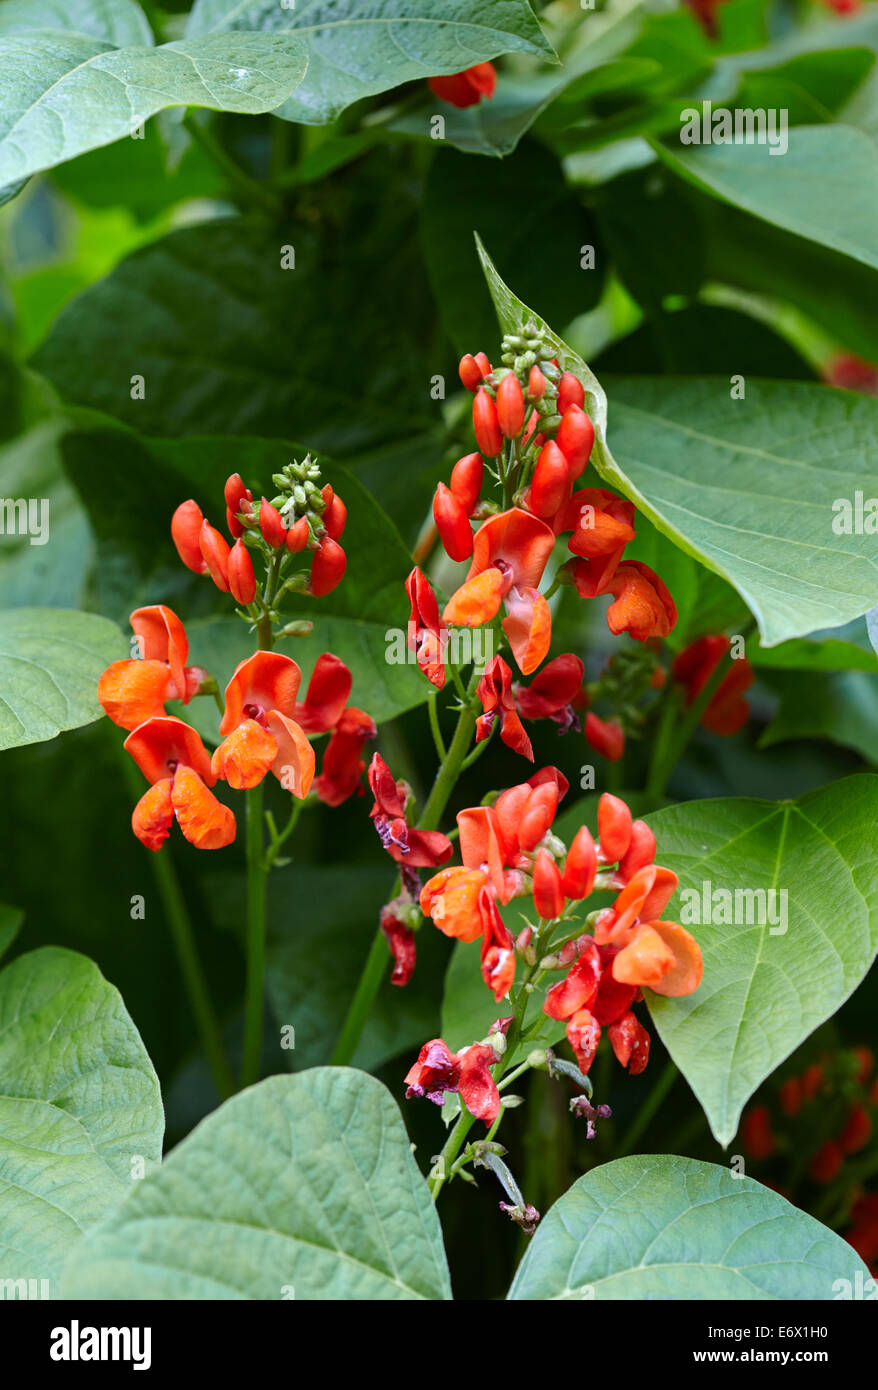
529	421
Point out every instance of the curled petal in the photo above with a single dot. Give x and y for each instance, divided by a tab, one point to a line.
477	601
644	960
664	886
343	762
328	692
265	681
132	691
630	1042
205	822
578	990
436	1071
517	539
245	756
478	1089
644	607
498	950
451	899
528	627
684	976
160	745
556	686
583	1035
481	847
162	637
153	814
401	941
293	765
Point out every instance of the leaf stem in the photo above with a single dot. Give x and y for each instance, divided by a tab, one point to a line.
253	1001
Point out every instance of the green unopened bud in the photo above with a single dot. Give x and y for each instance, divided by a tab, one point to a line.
538	1060
302	627
512	1102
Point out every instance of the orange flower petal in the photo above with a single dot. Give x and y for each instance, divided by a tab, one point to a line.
205	822
517	537
132	691
294	764
153	814
160	745
451	899
684	977
644	961
162	637
267	680
528	627
245	756
477	601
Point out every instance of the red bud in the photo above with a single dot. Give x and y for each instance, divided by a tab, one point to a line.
486	424
640	852
548	897
215	549
242	580
327	567
483	364
470	372
580	866
570	392
297	536
536	384
466	480
271	524
575	439
510	406
186	524
614	828
335	513
551	481
452	523
605	736
237	498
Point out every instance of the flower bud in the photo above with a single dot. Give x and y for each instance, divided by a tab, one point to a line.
548	896
215	550
298	534
327	567
452	523
486	424
242	580
575	439
614	828
271	524
238	498
335	513
580	866
483	364
186	524
510	406
470	372
551	481
605	736
570	392
641	851
536	384
466	480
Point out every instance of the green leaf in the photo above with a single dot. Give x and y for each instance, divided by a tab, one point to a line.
257	350
303	1186
11	919
50	662
705	339
79	1105
67	93
841	706
660	1227
116	22
840	162
767	984
837	649
358	49
677	443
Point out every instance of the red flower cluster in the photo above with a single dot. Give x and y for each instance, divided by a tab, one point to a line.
265	727
508	850
529	420
466	88
468	1072
302	518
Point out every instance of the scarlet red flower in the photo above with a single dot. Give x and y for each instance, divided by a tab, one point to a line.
426	631
600	521
604	736
578	990
401	940
644	607
727	712
174	760
584	1035
510	553
215	551
242	580
439	1070
327	567
328	692
238	499
259	728
510	406
495	692
466	482
630	1042
498	948
271	525
478	1089
473	370
415	848
466	88
132	691
551	694
548	895
186	524
550	485
343	762
436	1071
486	424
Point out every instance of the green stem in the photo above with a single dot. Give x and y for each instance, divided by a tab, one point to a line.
253	1001
194	981
376	961
434	726
648	1110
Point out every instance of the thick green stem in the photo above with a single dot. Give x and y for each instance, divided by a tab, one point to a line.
376	961
253	1002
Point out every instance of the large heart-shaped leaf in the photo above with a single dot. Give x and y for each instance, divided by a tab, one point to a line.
79	1107
694	460
803	930
117	22
303	1186
841	706
360	47
65	93
656	1226
50	662
11	919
